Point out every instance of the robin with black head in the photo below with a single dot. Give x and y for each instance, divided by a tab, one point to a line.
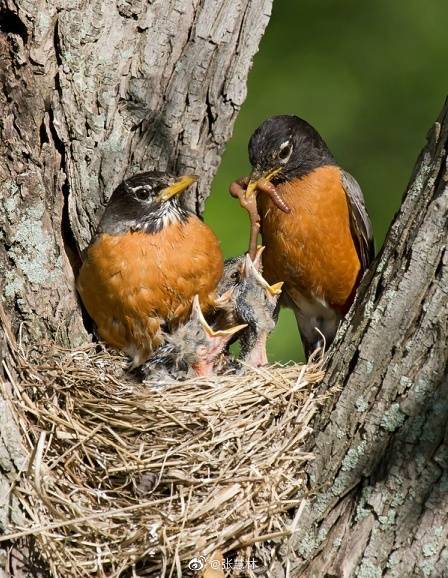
147	260
323	246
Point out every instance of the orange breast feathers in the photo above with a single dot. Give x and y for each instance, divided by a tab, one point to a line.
130	284
311	248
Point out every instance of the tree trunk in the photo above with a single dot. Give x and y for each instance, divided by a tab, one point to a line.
93	91
380	478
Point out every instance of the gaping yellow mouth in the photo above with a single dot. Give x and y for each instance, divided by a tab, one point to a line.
275	289
177	188
254	178
197	313
250	266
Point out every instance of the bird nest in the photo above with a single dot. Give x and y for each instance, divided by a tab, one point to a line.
131	479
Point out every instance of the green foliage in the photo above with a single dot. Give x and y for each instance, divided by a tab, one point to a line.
369	77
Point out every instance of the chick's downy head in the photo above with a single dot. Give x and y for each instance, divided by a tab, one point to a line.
192	349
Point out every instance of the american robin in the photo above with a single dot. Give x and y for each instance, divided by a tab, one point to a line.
148	259
191	350
253	302
323	246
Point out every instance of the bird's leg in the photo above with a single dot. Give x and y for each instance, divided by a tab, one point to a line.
238	190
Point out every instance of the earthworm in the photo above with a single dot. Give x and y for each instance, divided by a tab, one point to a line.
266	187
238	190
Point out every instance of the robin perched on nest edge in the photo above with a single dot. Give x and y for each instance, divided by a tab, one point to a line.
148	259
323	246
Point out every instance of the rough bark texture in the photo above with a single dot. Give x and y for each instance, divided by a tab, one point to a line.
92	91
380	479
12	455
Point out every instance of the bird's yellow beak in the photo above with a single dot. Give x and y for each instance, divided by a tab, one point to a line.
256	176
275	289
176	188
197	313
251	268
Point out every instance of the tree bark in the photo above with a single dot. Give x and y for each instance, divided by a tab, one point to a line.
91	92
379	482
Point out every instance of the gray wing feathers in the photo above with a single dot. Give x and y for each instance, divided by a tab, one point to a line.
359	220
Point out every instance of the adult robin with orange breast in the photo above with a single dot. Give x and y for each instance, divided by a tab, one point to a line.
324	244
148	259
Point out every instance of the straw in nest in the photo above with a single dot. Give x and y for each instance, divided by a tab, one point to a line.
137	479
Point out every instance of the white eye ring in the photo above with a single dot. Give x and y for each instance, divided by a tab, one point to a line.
142	192
285	151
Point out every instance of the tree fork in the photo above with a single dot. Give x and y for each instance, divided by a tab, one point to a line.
90	97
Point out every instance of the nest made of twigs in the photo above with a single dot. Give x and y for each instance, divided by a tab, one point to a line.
126	478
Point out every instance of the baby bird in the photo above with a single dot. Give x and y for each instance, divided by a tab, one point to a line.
191	350
256	305
253	302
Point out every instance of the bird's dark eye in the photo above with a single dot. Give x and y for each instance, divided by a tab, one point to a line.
142	193
234	275
284	152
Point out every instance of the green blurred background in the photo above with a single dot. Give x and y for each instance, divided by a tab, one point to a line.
370	76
